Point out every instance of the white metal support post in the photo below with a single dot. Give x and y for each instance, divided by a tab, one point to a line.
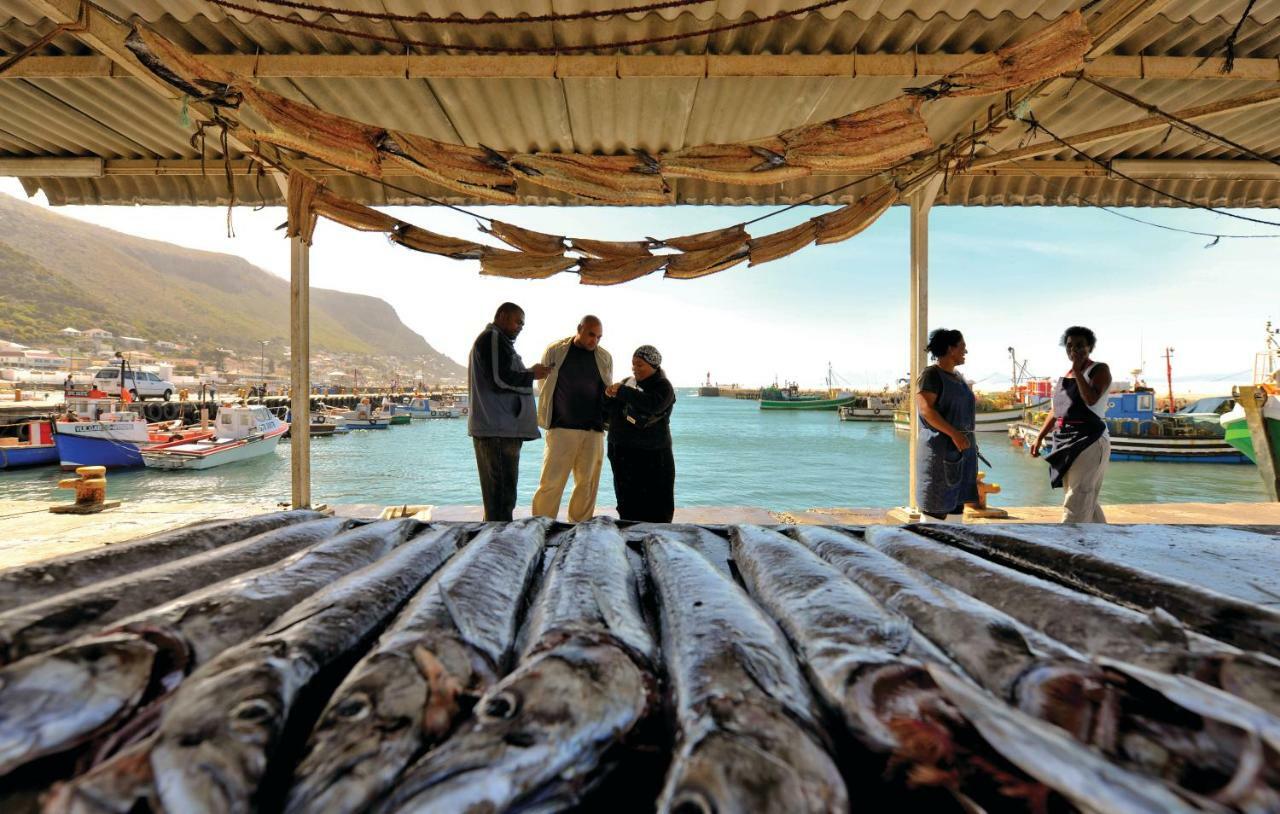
921	203
300	370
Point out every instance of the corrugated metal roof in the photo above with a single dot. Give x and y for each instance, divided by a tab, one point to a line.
120	118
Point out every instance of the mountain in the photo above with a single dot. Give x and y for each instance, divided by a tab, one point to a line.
57	272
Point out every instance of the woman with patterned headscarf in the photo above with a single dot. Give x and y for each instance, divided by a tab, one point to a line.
639	448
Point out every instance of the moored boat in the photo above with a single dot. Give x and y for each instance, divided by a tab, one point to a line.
1138	433
1236	427
242	433
106	432
869	408
426	408
984	421
33	446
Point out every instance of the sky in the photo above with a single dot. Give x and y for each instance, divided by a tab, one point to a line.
1011	277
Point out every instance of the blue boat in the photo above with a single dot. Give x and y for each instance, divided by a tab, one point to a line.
82	450
34	447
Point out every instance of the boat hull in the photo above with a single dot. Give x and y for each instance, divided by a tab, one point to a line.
865	414
1154	449
1236	428
234	452
88	450
28	455
806	404
989	421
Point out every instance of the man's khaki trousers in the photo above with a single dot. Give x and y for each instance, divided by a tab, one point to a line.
580	452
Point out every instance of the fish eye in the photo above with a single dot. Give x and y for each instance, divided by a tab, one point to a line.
254	709
692	802
503	705
354	708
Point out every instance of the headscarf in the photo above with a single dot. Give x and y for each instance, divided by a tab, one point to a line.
650	354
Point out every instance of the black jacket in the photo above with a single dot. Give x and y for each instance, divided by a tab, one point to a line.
640	416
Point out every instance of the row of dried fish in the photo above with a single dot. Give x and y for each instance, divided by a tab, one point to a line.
398	667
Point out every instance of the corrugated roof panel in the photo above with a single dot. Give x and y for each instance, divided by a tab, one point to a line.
507	114
127	107
615	115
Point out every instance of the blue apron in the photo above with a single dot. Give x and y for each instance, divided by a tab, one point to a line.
948	477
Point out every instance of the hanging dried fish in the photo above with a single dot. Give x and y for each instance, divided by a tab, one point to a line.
708	240
1056	49
612	272
526	240
612	249
690	265
522	265
848	221
336	140
878	136
432	243
609	179
301	198
179	68
477	171
751	163
781	244
353	215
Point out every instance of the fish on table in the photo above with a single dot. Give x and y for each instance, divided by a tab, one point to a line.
1154	640
26	584
868	666
450	643
1190	741
44	706
218	736
585	681
748	729
67	616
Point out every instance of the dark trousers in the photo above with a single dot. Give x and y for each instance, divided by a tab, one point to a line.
644	483
498	464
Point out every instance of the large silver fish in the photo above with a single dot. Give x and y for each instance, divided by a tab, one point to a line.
218	735
1094	626
40	580
452	641
155	649
1196	749
67	616
585	681
748	729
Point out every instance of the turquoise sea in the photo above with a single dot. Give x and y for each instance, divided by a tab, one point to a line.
728	453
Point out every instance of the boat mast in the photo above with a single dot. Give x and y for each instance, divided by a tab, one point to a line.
1168	369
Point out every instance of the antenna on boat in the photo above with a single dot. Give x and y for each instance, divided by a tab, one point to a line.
1168	369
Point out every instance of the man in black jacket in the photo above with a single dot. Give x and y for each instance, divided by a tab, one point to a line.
502	414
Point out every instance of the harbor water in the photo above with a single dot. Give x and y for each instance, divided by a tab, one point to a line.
728	453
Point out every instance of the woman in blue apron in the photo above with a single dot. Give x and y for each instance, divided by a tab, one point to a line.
1081	445
946	454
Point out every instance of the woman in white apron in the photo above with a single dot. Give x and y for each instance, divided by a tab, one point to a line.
1081	445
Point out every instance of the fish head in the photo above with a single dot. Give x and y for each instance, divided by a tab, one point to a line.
761	762
61	698
589	696
216	736
373	726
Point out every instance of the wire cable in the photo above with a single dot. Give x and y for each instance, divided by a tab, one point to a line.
429	19
550	50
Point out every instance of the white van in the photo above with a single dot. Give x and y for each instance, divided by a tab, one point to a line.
140	384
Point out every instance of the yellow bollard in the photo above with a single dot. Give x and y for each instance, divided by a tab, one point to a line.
90	484
980	509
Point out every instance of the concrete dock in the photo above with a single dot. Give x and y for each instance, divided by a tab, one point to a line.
28	532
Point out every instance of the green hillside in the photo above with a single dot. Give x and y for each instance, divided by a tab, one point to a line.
55	272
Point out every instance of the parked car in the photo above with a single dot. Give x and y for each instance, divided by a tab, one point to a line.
140	384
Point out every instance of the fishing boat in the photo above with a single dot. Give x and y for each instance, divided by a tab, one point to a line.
1266	381
425	408
1139	433
789	397
103	431
243	433
868	408
998	420
355	419
32	446
321	426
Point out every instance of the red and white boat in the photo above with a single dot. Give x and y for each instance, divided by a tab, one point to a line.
242	433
